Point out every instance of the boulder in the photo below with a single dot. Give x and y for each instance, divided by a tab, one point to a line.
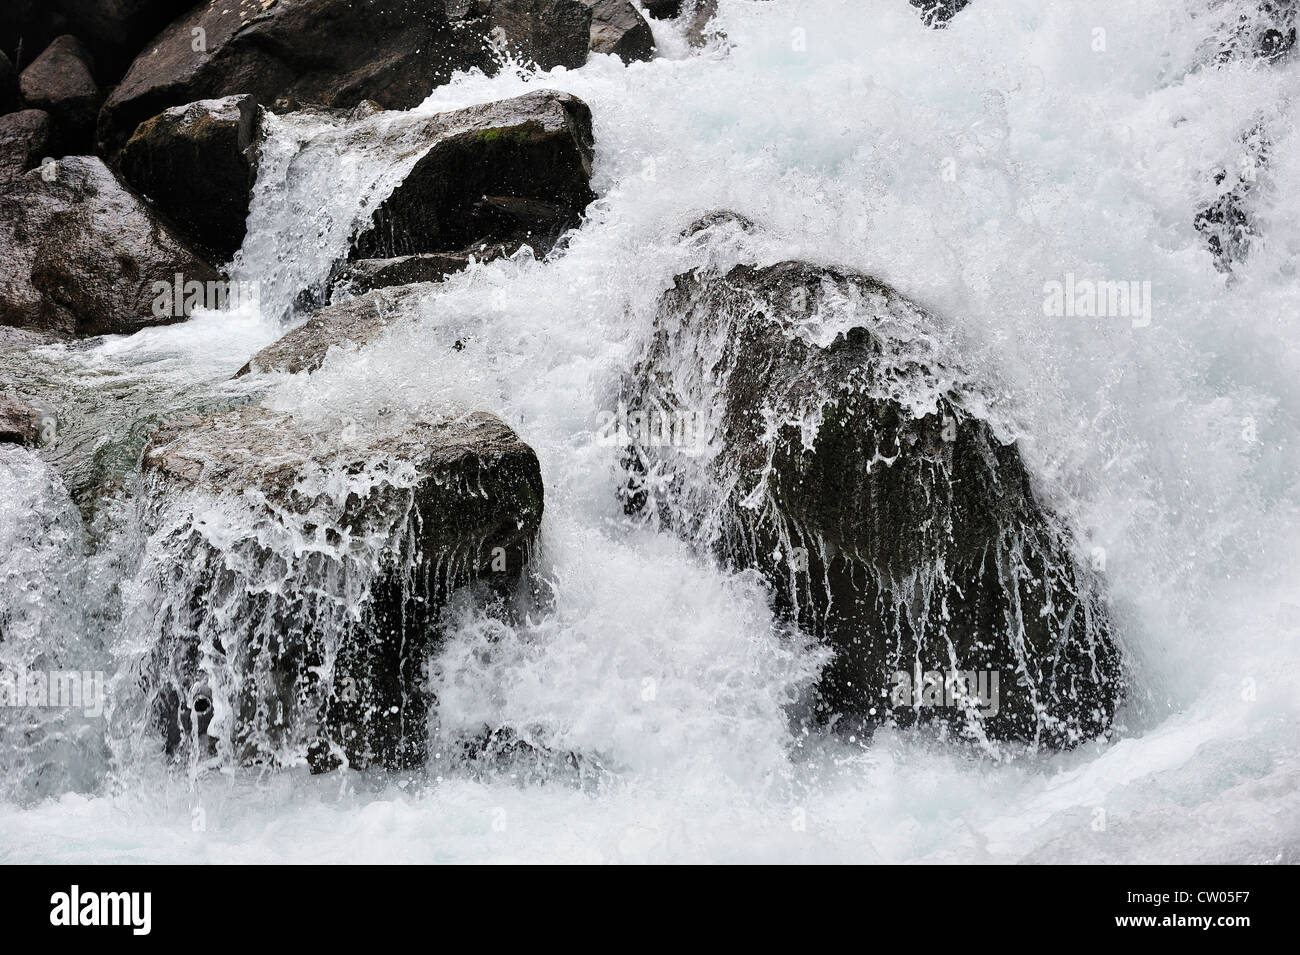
617	28
808	422
197	163
61	82
304	573
23	423
366	275
355	322
116	30
80	253
662	9
24	137
333	53
515	170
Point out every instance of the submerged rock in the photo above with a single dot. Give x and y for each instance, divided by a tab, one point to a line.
197	164
355	322
805	421
1227	222
297	574
80	253
366	275
937	13
334	53
518	169
617	28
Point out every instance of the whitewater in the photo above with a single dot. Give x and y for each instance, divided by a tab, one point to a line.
966	167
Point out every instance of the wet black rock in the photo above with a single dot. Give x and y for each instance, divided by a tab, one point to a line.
617	28
61	82
806	421
334	53
197	163
24	138
81	254
308	620
514	170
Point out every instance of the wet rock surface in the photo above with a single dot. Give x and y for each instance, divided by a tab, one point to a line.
305	570
805	421
80	253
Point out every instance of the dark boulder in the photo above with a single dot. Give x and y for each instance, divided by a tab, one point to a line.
549	33
80	253
197	163
333	53
662	9
308	618
61	82
805	421
515	170
355	322
617	28
24	138
116	30
366	275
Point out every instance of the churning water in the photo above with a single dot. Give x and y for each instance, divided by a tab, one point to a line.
966	167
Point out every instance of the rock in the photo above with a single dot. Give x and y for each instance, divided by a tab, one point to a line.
333	53
80	253
197	164
116	30
1227	221
60	82
662	9
8	85
23	139
695	14
617	28
366	275
1264	30
22	423
549	33
806	422
937	13
305	571
518	169
355	322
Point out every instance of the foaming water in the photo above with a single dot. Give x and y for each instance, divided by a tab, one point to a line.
966	167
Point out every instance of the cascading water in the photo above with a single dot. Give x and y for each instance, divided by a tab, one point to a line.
966	167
